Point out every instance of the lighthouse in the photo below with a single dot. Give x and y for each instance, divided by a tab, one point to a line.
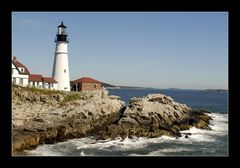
60	65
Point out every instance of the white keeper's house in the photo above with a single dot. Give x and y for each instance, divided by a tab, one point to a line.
20	73
21	76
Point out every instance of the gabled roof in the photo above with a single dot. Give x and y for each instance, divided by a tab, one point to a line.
35	78
85	80
49	80
19	65
40	78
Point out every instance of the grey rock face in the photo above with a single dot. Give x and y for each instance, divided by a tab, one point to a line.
156	115
38	118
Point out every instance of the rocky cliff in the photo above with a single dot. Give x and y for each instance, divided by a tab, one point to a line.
155	115
43	116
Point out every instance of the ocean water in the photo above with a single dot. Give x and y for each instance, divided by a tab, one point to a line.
212	142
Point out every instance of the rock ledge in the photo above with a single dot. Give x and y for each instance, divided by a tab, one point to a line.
155	115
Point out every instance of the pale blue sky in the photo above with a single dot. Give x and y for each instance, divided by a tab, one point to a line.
150	49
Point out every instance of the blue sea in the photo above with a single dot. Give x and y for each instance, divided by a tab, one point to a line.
212	142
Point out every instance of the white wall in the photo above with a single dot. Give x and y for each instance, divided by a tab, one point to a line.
45	85
55	86
60	66
52	86
15	72
30	84
18	80
36	84
39	84
25	81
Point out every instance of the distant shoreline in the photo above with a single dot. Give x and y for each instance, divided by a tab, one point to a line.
174	89
110	86
215	90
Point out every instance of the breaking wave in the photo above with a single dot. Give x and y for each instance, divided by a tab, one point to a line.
200	141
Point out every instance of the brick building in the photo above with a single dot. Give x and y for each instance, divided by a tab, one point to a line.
85	84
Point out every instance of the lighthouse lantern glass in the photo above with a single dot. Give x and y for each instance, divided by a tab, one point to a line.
62	31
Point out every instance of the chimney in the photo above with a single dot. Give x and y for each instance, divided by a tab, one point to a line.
14	58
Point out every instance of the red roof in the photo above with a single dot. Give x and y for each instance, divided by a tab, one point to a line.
49	80
35	78
85	80
19	65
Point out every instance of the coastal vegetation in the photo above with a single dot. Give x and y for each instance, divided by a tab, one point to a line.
37	90
71	97
62	97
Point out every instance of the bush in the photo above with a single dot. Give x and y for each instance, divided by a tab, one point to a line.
38	90
71	97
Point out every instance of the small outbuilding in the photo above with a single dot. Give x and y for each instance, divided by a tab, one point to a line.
38	81
49	83
85	84
35	80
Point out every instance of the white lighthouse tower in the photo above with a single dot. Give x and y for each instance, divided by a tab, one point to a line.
60	66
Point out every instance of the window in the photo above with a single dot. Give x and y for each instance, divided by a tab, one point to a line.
64	70
14	81
95	86
21	69
20	81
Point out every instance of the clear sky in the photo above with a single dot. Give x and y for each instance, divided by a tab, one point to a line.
186	50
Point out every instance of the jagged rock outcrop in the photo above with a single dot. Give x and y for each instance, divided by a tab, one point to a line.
50	117
155	115
41	116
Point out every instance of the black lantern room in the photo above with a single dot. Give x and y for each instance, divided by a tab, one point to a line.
62	33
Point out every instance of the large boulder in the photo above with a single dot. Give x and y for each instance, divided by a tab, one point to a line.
156	115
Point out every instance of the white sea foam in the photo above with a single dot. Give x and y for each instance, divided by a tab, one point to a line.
44	150
219	123
118	143
82	153
219	127
166	151
135	154
162	152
